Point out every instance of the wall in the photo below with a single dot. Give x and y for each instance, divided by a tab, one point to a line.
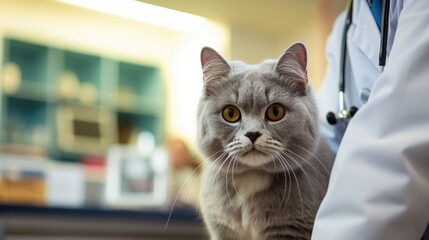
253	47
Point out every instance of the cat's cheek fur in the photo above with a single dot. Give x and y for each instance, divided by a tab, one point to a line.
227	131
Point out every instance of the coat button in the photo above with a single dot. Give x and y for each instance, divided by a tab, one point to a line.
364	95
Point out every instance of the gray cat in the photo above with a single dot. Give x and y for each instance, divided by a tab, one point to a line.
266	169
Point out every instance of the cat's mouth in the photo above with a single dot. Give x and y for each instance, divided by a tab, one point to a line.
254	157
253	150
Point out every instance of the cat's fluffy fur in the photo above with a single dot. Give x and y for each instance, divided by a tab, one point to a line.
272	188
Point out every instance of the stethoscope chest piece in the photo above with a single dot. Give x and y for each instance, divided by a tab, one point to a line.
344	115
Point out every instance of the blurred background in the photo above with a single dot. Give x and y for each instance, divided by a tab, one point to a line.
98	104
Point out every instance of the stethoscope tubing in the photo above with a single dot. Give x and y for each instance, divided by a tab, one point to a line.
384	33
344	114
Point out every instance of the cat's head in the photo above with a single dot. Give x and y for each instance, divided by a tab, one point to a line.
257	116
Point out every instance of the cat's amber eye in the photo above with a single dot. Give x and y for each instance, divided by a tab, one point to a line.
231	114
275	112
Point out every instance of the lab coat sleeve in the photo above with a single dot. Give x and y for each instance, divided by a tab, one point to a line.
379	187
327	96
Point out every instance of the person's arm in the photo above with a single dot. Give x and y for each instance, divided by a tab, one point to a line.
379	188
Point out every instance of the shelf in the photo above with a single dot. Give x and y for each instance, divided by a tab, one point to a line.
139	88
120	98
25	68
25	121
130	125
31	91
81	77
31	59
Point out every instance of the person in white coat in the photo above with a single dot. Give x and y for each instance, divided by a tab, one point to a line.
379	187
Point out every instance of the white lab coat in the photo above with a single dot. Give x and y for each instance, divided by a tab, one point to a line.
379	187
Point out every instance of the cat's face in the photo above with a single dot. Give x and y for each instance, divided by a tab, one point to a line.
257	116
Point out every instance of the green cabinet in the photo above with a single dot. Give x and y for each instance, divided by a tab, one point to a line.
70	104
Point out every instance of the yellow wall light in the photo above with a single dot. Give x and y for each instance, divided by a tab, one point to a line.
146	13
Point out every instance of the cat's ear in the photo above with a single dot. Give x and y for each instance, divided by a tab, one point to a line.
214	66
292	66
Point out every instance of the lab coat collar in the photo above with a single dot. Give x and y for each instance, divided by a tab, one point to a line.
365	33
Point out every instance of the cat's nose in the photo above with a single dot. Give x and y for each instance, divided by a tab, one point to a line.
253	136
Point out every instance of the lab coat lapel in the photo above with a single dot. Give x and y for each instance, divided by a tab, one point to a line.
365	34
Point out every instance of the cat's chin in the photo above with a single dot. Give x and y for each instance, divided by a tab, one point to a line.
254	158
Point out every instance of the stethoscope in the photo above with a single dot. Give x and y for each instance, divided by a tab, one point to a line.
344	115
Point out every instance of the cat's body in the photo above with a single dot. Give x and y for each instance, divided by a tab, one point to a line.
266	168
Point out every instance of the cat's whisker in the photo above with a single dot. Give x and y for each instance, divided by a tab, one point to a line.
290	187
226	180
274	146
221	157
318	159
235	148
233	179
192	186
289	169
274	143
207	168
309	163
275	164
297	184
300	166
234	144
178	194
212	162
214	154
306	161
286	171
186	181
